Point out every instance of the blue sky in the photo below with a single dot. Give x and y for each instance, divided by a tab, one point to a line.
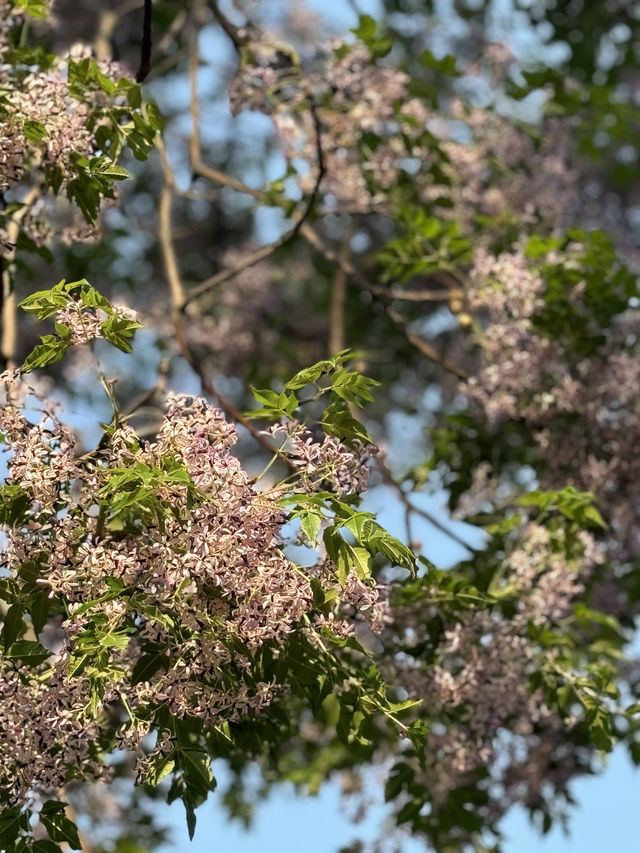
606	819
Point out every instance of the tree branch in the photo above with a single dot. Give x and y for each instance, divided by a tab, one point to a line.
145	50
9	304
176	290
389	480
234	33
338	297
302	227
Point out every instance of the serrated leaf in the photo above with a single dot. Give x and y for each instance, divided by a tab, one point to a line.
310	523
196	768
51	349
119	331
161	767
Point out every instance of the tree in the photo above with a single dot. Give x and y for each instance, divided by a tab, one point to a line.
383	229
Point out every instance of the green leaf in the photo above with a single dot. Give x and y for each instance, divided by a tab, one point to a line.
337	420
359	560
310	523
345	556
446	65
34	131
115	592
161	767
367	31
13	503
308	376
39	607
352	386
147	665
275	405
29	652
60	828
14	625
12	822
191	817
196	769
35	8
51	349
45	303
119	331
44	845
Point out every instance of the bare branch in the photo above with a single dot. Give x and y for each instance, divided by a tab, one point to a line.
422	346
338	296
234	33
410	508
176	290
9	304
164	230
229	272
145	50
198	168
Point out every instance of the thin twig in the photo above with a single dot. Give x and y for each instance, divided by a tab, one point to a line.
234	33
145	50
320	164
230	272
172	29
198	168
422	346
176	290
164	230
421	295
389	480
146	396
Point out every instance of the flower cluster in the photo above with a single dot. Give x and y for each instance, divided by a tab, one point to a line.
480	686
162	566
85	323
346	100
501	172
54	135
521	370
329	460
582	407
373	134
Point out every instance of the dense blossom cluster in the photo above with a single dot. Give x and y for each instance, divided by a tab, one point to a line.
346	99
507	290
479	687
45	733
503	172
373	134
329	460
582	409
50	121
197	571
